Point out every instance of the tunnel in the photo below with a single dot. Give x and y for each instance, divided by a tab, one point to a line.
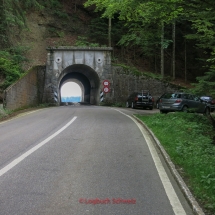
86	78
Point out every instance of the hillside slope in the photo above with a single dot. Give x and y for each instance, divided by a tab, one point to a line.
44	29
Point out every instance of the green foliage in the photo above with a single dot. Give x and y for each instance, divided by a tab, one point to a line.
61	14
28	4
10	66
4	113
54	32
98	28
188	141
145	38
10	71
107	103
206	83
139	11
118	104
134	71
144	18
83	42
13	15
51	3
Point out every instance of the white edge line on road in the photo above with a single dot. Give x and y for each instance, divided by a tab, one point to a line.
39	145
172	196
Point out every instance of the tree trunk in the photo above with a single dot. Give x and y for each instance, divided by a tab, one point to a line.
162	49
173	51
109	33
185	60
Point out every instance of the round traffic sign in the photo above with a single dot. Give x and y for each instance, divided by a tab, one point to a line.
106	83
106	89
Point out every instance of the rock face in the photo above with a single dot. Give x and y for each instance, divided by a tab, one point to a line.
45	29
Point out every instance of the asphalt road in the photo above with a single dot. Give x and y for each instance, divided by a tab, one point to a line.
83	160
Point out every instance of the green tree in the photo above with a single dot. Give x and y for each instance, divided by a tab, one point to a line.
10	68
198	15
142	13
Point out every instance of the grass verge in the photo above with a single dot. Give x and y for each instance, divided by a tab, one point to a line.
188	139
8	114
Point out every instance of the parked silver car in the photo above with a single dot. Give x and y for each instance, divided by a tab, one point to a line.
171	102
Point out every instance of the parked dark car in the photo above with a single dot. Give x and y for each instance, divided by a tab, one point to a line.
210	101
171	102
140	99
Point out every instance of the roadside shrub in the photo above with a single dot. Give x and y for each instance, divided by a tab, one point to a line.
10	68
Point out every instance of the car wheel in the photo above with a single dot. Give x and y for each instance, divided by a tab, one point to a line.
132	105
150	108
127	105
185	109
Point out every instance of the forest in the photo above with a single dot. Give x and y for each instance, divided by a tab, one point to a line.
173	39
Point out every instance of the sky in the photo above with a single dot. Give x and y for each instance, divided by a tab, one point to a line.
70	89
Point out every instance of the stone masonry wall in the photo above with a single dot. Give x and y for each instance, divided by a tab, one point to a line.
27	91
124	82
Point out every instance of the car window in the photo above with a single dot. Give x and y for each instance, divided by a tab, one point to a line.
196	98
172	96
190	97
206	98
185	96
143	94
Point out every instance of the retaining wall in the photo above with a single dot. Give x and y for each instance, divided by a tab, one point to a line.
27	91
124	82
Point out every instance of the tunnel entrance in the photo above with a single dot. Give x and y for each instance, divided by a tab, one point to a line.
86	78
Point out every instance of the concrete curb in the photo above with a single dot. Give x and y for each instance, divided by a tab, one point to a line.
188	195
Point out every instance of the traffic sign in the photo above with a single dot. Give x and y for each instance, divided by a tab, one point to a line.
106	83
106	89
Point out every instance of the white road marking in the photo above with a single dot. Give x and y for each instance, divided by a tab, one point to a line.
29	152
171	194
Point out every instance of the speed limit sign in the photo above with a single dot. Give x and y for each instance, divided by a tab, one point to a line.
106	89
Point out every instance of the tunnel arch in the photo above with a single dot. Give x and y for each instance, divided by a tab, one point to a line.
86	77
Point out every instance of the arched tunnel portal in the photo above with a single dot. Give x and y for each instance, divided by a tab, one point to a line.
86	78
